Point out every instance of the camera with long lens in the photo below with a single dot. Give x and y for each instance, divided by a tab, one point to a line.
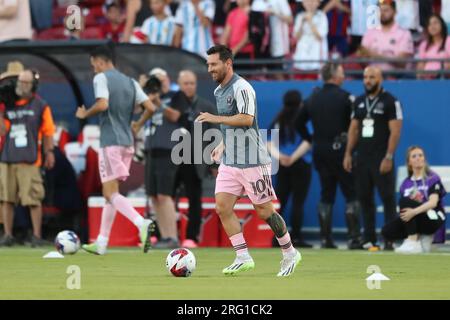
8	94
152	86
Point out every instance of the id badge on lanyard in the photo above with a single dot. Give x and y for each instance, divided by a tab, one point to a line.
368	129
19	134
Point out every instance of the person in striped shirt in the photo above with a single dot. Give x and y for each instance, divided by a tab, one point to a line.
159	28
364	13
194	25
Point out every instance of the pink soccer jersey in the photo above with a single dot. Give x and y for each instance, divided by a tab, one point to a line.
388	44
434	52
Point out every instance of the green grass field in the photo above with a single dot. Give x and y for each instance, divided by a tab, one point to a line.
129	274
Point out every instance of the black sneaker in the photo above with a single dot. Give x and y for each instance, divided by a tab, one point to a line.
38	242
166	243
388	246
7	241
328	244
355	245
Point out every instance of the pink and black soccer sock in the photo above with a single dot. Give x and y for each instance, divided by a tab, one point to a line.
286	245
240	246
278	226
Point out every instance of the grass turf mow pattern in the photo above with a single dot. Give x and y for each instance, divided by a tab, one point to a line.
126	273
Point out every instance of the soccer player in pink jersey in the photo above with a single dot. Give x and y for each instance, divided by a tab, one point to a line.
116	96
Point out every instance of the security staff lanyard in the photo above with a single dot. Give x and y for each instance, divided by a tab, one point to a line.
368	122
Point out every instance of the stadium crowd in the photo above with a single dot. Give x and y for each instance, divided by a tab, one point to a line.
306	31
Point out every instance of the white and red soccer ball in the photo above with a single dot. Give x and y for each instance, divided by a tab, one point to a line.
67	242
181	262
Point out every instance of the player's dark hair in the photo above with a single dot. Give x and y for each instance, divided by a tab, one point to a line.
444	32
223	51
329	71
103	53
292	101
389	3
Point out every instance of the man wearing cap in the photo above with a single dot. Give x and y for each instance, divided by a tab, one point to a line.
26	125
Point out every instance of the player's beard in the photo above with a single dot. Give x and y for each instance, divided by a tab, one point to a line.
220	76
25	94
372	89
387	22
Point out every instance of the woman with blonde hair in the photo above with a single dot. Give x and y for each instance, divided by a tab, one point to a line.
421	207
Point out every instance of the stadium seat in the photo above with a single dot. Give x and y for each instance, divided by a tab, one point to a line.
91	136
76	154
55	33
89	181
61	137
59	13
92	3
92	33
94	17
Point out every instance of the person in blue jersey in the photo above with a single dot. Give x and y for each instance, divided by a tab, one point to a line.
194	25
160	27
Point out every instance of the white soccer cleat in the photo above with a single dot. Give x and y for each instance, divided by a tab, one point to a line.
288	264
426	241
410	247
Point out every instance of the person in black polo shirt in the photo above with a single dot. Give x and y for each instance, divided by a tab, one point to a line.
329	109
375	132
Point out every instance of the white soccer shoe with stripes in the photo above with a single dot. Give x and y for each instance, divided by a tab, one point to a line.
288	264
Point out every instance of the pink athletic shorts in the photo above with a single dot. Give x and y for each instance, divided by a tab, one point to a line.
256	182
114	162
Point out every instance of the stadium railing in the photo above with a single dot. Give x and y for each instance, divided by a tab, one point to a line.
354	67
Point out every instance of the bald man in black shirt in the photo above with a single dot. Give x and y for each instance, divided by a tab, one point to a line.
374	134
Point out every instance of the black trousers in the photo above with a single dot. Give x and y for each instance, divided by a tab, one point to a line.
187	175
367	177
331	172
294	180
420	224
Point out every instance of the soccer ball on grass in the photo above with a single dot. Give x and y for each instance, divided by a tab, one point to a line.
67	242
181	262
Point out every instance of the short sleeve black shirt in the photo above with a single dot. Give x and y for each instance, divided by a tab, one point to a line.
383	108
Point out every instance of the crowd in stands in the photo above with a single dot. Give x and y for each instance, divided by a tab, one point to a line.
306	31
